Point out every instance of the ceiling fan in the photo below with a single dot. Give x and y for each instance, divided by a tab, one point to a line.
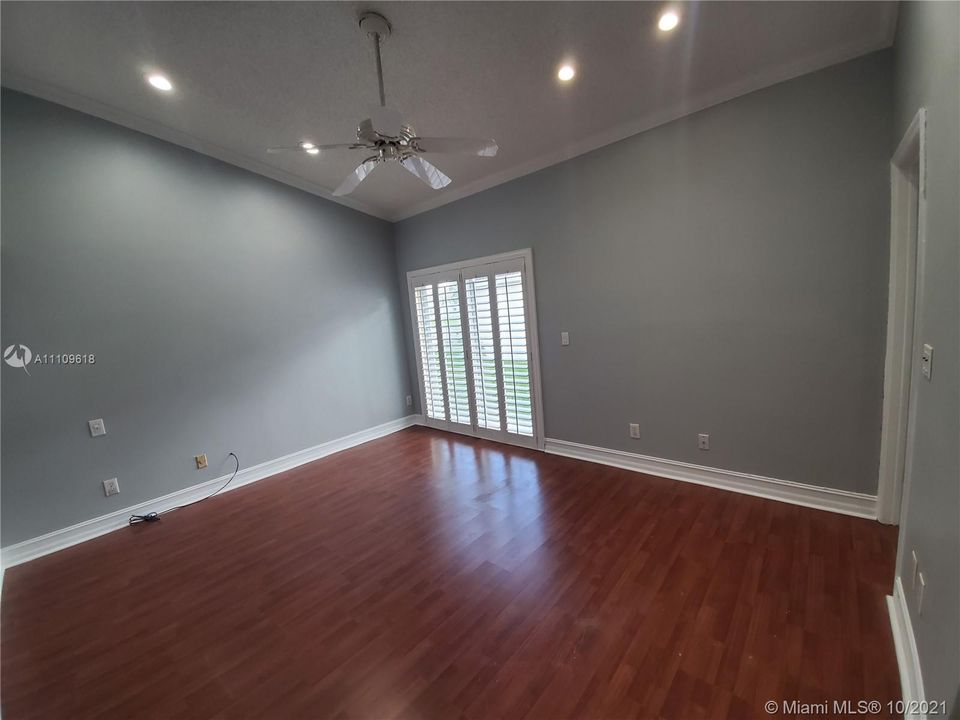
388	139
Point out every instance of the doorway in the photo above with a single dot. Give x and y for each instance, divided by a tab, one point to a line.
907	223
478	362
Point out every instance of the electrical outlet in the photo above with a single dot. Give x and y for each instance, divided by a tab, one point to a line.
921	587
564	338
703	441
111	487
97	427
916	567
409	400
926	361
634	430
201	461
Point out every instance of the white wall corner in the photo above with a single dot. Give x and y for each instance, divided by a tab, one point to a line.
87	530
908	660
839	501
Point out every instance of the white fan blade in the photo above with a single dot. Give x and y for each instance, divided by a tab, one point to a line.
426	172
356	177
321	148
386	120
461	146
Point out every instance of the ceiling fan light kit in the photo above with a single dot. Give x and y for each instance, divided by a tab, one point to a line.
385	136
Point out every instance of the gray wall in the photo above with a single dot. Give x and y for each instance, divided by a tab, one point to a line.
226	311
927	74
725	273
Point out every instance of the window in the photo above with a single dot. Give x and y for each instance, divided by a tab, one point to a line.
476	347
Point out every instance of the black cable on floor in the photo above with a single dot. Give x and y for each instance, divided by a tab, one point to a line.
153	516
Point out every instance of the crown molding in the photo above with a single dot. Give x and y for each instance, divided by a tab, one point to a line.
757	81
129	120
752	83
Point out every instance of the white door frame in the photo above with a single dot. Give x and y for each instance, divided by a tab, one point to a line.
908	210
526	255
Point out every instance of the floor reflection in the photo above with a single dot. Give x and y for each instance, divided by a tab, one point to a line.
501	486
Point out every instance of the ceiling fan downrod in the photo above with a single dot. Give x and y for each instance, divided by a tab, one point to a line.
377	26
384	133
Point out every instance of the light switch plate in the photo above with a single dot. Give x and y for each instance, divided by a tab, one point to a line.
97	427
564	338
926	361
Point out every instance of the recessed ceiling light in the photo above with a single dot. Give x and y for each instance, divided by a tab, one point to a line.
312	150
668	21
160	82
566	73
307	145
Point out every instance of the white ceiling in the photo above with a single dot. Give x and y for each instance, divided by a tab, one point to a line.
249	75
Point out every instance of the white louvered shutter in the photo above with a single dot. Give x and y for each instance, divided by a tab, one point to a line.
431	374
515	362
475	350
483	352
454	356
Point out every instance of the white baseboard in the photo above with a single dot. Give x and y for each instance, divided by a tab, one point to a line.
911	681
839	501
89	529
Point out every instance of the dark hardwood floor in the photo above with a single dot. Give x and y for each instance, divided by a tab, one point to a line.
427	575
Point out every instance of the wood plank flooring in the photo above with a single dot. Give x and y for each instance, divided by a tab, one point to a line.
428	575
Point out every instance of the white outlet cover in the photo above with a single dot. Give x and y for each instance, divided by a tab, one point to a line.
111	487
634	430
921	587
97	427
564	338
926	361
703	441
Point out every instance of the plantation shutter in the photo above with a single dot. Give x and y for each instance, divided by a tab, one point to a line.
515	359
484	354
454	360
432	375
475	350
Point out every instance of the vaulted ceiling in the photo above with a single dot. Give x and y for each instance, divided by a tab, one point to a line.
250	75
